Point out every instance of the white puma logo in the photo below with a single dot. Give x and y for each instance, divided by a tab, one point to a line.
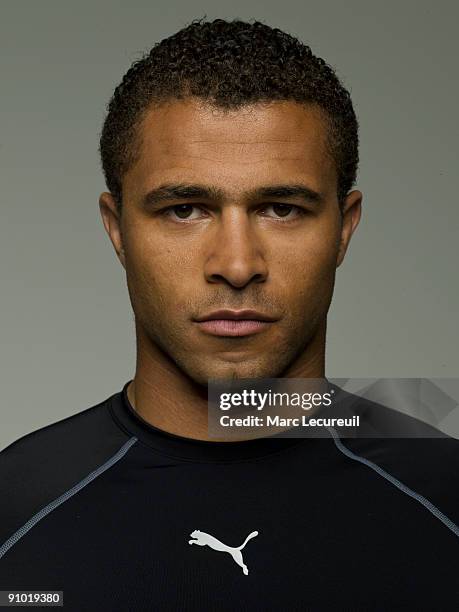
204	539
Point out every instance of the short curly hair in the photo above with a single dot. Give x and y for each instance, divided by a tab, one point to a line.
228	64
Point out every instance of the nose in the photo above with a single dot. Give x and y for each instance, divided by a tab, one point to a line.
235	255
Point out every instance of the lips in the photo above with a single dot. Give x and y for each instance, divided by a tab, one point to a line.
236	315
226	322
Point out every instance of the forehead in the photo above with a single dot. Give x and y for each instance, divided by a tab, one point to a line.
192	140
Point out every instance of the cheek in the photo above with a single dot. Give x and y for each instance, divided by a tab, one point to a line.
166	256
312	257
157	273
307	272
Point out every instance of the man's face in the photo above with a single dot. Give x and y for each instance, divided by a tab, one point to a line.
193	253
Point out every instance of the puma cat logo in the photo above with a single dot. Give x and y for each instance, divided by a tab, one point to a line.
204	539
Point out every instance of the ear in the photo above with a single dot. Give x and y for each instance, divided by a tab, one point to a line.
112	222
351	213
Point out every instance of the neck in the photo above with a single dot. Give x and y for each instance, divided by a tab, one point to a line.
168	399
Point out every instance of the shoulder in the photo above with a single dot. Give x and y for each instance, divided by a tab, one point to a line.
400	447
408	453
40	466
64	439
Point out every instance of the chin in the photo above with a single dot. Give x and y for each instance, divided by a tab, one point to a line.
232	371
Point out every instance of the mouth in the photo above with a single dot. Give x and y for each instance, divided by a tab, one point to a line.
234	322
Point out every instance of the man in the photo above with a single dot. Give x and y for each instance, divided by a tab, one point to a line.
230	152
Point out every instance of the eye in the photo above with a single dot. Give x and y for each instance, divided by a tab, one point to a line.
190	212
181	211
283	211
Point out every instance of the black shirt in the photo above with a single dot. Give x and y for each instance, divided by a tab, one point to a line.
122	516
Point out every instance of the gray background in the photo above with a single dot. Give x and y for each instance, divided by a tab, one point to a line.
67	333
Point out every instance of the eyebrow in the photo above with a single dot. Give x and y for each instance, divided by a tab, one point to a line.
185	191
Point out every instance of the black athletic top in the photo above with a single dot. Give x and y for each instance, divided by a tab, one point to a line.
122	516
